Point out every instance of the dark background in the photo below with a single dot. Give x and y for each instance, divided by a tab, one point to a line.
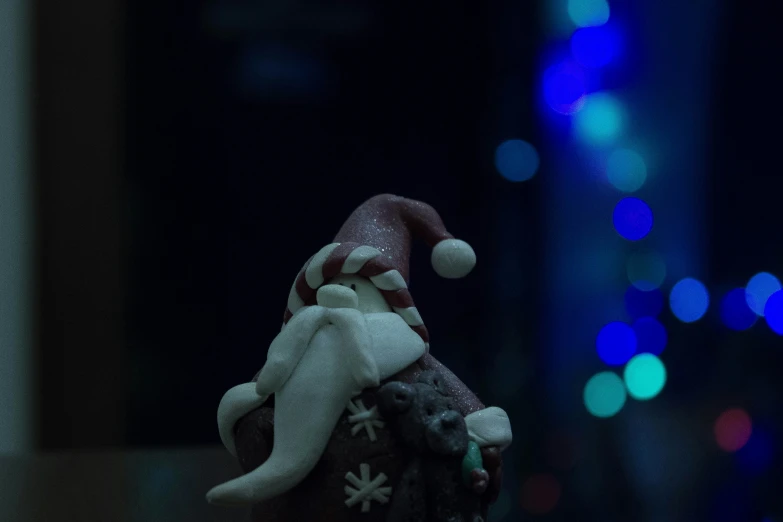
235	182
191	156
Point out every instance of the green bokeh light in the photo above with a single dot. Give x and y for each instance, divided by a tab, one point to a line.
626	170
586	13
600	121
645	376
646	269
604	394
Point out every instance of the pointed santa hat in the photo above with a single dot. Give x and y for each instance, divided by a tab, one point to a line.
375	242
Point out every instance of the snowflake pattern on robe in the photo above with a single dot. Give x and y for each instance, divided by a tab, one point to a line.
364	490
362	418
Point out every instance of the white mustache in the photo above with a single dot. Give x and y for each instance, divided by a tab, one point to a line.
323	358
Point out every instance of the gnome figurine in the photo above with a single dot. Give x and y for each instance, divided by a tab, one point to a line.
350	418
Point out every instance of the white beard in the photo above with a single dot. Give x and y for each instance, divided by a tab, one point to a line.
318	362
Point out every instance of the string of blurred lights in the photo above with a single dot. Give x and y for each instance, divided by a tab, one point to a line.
597	120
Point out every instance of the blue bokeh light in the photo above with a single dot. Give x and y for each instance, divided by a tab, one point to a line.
565	86
735	312
586	13
516	160
689	300
595	47
641	303
650	335
758	290
633	219
600	121
276	70
773	312
756	456
616	343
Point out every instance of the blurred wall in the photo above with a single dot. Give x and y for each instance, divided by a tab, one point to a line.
16	386
248	147
78	71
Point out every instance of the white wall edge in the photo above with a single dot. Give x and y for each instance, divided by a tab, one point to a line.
17	385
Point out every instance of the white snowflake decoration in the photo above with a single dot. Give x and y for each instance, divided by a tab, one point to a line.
364	418
365	489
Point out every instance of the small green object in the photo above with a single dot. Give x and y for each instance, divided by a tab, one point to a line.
471	461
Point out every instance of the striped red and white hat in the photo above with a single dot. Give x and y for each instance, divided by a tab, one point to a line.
375	242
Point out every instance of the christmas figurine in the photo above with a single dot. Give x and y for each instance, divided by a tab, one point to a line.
351	418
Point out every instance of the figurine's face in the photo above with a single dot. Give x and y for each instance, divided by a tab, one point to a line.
423	416
370	300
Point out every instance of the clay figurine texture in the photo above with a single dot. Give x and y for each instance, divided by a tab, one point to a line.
350	417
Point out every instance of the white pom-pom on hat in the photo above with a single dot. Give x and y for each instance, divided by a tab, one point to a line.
453	258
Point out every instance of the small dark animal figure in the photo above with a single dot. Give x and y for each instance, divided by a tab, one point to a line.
425	420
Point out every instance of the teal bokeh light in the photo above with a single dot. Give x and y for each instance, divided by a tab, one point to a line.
645	376
516	160
600	121
588	13
604	394
626	170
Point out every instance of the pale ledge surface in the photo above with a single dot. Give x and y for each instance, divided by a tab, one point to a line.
117	486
